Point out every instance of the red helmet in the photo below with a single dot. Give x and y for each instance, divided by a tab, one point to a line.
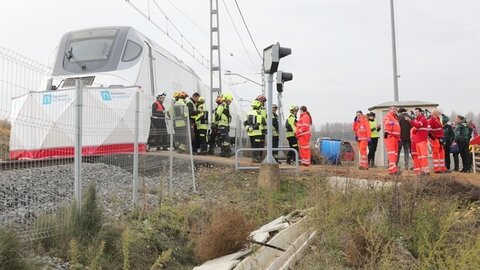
261	98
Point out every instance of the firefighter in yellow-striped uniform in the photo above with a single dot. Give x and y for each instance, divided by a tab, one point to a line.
179	114
263	101
223	118
290	126
201	121
275	131
255	124
212	138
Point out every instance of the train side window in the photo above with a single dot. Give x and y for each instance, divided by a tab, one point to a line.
132	51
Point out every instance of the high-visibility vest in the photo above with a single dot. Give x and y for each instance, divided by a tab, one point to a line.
180	113
275	128
160	107
263	111
391	125
222	115
201	119
435	127
361	127
190	101
254	123
373	129
290	125
303	126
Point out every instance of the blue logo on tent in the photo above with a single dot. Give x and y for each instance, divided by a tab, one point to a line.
47	99
106	95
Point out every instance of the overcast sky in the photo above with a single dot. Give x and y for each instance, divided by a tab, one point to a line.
341	58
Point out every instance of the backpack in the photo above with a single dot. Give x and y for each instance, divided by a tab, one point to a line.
454	149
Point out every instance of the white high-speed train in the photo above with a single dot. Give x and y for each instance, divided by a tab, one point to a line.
122	56
107	60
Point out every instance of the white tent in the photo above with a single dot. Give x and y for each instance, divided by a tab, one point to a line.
43	123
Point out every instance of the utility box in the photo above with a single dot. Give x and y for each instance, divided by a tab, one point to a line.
381	111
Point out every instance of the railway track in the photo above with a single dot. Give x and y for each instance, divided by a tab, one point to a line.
35	163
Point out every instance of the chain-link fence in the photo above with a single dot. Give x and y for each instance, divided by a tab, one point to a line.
55	143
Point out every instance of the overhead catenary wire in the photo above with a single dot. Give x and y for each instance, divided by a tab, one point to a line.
203	61
248	30
166	32
208	35
238	34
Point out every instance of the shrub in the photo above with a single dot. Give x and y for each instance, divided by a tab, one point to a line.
86	222
227	232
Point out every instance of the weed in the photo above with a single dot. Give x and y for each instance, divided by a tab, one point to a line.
418	225
86	221
162	260
97	260
74	255
127	240
11	249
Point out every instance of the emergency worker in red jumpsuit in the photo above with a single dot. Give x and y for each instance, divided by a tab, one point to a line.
303	135
361	128
392	137
421	140
437	141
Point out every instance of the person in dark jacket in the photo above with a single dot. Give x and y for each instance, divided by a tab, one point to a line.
193	113
158	136
374	136
405	142
449	136
462	138
276	131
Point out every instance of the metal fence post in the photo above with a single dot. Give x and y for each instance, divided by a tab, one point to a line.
135	149
269	158
170	157
78	143
189	136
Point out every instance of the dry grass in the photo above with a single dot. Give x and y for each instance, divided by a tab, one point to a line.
227	232
4	139
422	224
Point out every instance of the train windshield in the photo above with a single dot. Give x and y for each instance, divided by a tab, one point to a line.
89	48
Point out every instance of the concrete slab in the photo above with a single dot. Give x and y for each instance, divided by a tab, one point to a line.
265	256
226	262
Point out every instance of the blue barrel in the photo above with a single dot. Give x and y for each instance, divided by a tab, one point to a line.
331	150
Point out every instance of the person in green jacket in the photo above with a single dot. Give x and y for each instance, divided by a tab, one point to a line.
201	122
374	135
254	125
223	118
462	138
290	127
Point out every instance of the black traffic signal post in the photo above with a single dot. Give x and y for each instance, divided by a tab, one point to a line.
271	60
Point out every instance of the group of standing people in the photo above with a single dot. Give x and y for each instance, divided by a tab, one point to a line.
298	131
414	133
192	109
